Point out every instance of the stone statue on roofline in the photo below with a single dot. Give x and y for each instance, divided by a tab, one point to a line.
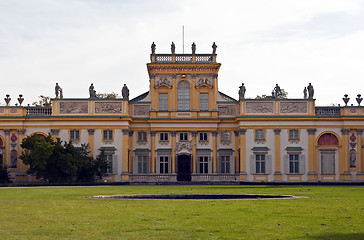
153	48
57	90
310	90
305	93
277	91
92	91
242	90
193	48
125	92
214	48
173	48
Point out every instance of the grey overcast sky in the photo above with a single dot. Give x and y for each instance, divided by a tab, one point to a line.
107	43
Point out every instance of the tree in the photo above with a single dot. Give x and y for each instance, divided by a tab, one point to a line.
43	101
57	161
4	174
107	95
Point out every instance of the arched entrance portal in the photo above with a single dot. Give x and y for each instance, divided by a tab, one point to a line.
184	168
328	144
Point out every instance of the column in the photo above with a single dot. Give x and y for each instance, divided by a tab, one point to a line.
174	93
152	92
344	160
55	134
125	157
91	141
242	154
214	151
312	163
277	155
130	150
193	92
7	147
173	134
194	155
21	166
152	151
236	133
214	91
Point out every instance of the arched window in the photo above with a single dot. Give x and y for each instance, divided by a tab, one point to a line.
183	96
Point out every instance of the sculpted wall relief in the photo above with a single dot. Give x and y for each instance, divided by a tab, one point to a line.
73	107
259	107
108	107
141	110
293	107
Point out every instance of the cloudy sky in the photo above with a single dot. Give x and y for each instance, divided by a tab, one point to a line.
107	42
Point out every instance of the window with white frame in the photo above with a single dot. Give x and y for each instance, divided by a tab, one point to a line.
225	164
109	161
107	135
142	164
202	137
75	135
259	134
163	101
260	163
183	96
204	101
142	136
183	137
203	164
293	163
225	136
163	137
294	134
163	164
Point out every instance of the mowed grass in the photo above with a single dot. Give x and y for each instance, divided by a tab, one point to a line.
65	213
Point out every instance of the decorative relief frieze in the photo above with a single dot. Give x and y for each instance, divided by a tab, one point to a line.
73	107
108	107
141	110
226	109
204	81
163	81
293	107
259	107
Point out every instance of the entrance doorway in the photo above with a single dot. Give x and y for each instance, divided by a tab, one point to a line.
184	168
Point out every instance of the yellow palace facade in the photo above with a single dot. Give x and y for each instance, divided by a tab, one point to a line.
183	129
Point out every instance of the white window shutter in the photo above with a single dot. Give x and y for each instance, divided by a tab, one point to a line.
302	164
252	165
115	164
268	164
286	164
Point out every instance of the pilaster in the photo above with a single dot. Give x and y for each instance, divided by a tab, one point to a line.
344	160
152	150
130	150
7	147
312	162
91	133
173	134
243	175
194	134
214	151
236	134
125	161
277	155
21	166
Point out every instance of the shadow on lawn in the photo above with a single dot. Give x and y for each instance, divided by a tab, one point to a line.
335	236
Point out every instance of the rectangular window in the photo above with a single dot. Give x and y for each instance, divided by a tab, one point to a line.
293	134
142	136
109	159
204	101
163	137
225	164
260	163
293	164
204	164
107	135
163	164
163	102
202	137
225	137
259	134
142	164
183	137
75	135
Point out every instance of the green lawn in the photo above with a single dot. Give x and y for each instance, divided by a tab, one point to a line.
65	213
